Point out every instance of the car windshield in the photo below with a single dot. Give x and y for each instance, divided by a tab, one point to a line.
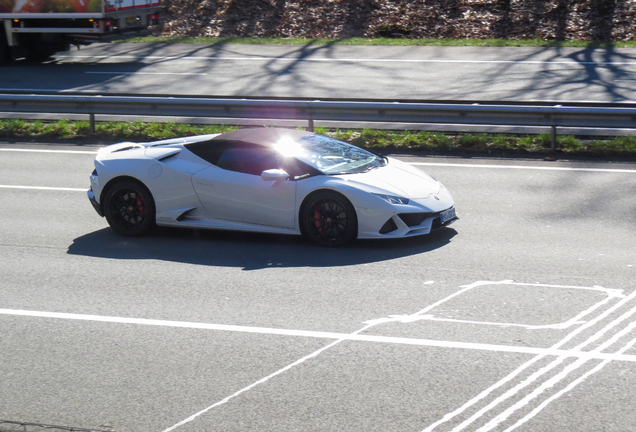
331	156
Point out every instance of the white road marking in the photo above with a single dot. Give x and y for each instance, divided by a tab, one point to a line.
93	93
424	316
47	151
517	388
346	60
560	393
525	167
540	353
145	73
413	317
61	90
560	377
561	355
44	188
261	381
322	335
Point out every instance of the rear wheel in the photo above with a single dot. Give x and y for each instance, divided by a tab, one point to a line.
129	208
329	219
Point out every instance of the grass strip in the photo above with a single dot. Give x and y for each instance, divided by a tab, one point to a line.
380	140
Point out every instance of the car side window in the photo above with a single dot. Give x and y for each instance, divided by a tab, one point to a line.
298	170
248	160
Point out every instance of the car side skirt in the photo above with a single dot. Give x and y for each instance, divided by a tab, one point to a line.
227	225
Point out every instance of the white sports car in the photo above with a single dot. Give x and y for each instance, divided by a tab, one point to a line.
267	180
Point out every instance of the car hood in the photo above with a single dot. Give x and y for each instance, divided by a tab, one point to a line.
398	178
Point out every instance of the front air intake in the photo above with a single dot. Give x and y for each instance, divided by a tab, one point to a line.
388	227
415	219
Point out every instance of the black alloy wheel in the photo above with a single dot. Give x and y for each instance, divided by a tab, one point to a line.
129	208
329	219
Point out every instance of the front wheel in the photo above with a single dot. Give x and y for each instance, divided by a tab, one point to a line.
129	208
329	219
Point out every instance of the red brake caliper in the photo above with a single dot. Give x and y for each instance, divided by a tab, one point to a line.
140	205
317	220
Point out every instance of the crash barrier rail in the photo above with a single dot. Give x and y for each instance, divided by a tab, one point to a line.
500	114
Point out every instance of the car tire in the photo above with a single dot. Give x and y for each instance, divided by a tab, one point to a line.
328	219
129	208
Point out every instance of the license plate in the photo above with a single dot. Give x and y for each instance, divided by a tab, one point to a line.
448	215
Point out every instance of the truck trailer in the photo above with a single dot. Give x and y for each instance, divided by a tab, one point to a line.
36	29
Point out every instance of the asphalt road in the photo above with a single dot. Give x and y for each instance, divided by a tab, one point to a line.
317	71
518	317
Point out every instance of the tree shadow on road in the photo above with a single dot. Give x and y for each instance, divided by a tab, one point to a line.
209	71
603	73
249	251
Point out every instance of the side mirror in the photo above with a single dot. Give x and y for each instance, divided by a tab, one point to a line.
274	175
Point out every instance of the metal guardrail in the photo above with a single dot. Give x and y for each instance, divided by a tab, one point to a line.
500	114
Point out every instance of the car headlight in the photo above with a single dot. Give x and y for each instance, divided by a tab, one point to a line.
392	199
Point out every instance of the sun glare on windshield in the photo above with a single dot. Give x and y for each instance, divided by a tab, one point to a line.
332	157
289	147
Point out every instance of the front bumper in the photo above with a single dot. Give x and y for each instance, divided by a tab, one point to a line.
419	217
96	206
412	224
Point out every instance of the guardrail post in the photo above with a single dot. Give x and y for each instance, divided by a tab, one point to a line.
554	137
92	123
310	126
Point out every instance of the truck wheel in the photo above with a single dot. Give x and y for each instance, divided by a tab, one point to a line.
4	48
34	50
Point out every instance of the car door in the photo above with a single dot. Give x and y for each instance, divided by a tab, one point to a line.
233	190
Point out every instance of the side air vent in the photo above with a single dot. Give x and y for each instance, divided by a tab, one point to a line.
184	215
167	157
